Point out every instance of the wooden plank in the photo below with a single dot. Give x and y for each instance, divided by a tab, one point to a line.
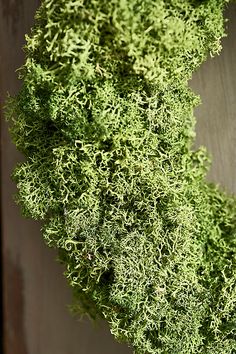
215	81
36	318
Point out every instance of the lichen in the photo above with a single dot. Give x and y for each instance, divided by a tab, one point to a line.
105	120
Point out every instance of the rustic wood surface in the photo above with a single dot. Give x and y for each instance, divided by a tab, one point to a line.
215	82
36	295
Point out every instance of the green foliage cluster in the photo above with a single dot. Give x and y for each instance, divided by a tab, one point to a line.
105	120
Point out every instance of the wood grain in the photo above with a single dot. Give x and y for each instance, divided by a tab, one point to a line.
36	296
215	82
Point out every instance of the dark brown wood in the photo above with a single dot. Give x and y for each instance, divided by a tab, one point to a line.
36	295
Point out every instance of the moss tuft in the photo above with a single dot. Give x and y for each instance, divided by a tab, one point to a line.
105	119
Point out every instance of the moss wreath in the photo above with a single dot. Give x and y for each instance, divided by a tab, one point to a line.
105	120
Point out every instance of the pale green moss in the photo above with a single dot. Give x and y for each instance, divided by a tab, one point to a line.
105	119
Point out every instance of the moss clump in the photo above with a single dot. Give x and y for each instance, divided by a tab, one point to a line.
105	120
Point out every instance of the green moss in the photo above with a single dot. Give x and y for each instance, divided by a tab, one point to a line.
105	119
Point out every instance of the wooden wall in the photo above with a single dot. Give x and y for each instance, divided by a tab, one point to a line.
36	295
215	81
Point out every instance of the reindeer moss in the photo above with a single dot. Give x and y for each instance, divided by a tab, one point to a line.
105	120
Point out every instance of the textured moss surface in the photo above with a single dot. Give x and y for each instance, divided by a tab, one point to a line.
105	120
